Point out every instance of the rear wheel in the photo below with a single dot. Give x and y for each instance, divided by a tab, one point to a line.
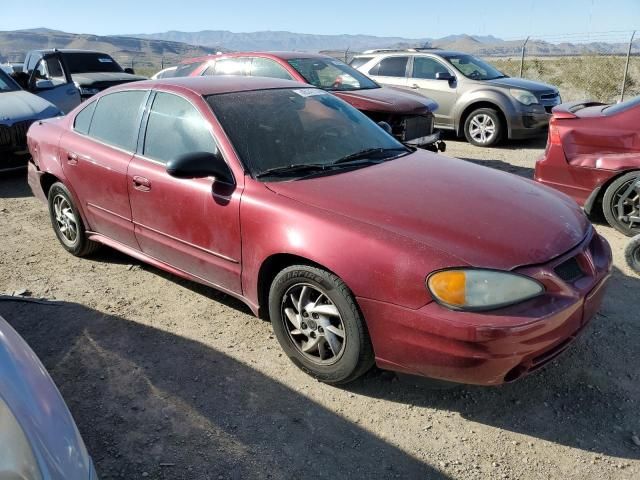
318	324
621	204
632	254
483	127
67	222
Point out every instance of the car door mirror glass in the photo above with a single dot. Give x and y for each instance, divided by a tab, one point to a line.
200	165
44	85
129	70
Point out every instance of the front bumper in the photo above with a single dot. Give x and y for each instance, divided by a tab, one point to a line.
490	348
529	125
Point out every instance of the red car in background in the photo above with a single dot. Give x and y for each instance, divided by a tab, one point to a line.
358	249
593	155
409	114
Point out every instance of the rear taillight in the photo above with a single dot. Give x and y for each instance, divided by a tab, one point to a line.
554	133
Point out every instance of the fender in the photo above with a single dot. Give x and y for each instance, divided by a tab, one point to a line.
485	95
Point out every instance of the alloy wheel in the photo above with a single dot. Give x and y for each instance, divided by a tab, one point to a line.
626	203
66	221
314	323
482	128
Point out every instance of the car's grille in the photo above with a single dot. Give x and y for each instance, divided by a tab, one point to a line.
570	270
14	135
549	96
416	127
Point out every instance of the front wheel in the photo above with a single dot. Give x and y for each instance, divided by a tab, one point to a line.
632	254
621	204
483	127
318	324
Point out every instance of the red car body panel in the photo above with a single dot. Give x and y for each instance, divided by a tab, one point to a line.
381	229
384	100
587	149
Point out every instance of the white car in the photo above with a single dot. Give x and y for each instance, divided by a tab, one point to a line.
164	73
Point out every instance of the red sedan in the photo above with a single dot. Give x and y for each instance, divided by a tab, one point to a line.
351	243
409	114
593	155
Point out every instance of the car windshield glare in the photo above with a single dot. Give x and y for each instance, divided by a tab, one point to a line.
474	68
6	83
331	74
279	128
88	62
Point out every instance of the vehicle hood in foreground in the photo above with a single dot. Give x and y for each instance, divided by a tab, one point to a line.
523	83
484	217
21	105
388	99
115	78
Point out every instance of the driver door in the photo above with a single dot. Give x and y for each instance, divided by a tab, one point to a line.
422	77
51	80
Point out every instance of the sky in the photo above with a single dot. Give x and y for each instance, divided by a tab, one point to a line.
408	18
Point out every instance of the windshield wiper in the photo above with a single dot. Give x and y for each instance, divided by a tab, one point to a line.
294	168
368	153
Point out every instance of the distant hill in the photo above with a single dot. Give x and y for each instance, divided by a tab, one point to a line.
146	53
486	45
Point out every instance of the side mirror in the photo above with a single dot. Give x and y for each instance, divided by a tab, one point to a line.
444	76
129	70
386	127
44	85
200	165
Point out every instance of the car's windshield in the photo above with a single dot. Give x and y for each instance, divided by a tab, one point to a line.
89	62
283	128
6	83
331	74
474	68
622	106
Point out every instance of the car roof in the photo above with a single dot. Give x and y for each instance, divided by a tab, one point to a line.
284	55
69	50
434	51
211	85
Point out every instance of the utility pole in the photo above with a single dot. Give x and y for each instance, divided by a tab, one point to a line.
626	68
524	45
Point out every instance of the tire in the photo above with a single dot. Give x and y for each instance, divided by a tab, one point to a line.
612	196
477	125
67	222
632	254
334	359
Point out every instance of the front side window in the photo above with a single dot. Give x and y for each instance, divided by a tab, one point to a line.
359	61
265	67
82	121
174	128
230	66
186	69
331	74
391	67
116	119
307	127
427	68
474	68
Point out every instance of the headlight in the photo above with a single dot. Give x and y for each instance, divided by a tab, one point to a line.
475	289
16	455
523	96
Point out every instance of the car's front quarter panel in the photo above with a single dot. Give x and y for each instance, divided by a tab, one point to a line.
373	262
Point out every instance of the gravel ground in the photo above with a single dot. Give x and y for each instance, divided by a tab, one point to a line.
171	380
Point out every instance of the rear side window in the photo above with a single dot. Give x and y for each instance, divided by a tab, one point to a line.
391	67
186	69
83	119
264	67
359	61
174	128
231	66
116	119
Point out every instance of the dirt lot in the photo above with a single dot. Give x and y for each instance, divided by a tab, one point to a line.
167	379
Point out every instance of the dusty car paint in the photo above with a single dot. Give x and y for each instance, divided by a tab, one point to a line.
381	229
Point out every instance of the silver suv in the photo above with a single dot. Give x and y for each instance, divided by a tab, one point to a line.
474	98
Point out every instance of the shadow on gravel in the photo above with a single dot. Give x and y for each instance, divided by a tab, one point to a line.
14	184
504	166
535	143
588	399
149	401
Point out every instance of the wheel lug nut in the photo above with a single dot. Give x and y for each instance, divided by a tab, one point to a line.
320	330
312	334
305	314
304	325
315	315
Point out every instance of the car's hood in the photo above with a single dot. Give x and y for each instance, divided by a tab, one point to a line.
20	106
522	83
388	99
89	79
484	217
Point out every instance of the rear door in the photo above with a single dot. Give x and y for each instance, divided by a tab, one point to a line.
422	77
51	80
190	224
391	70
95	156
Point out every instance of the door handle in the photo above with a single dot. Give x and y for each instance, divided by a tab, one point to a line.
141	183
72	158
415	86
